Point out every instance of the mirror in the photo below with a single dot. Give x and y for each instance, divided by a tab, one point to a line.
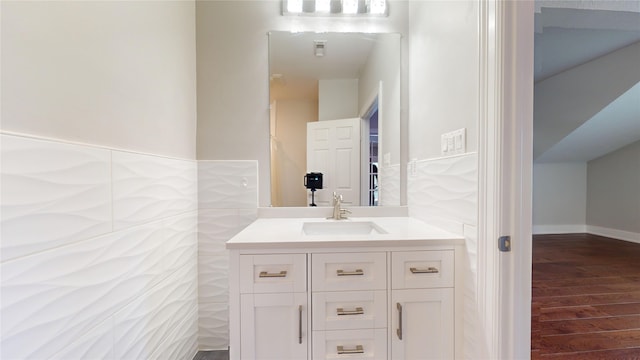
335	109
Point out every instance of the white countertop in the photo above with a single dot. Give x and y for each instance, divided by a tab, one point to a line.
274	233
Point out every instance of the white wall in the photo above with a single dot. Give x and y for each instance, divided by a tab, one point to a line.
613	194
444	96
337	99
99	243
443	63
233	80
118	74
559	198
290	151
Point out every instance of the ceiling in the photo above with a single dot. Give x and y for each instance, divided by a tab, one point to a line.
294	68
567	38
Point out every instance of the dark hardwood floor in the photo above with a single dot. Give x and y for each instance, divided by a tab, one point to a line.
585	298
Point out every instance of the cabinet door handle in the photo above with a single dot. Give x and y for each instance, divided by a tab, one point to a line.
357	311
350	273
399	330
358	350
300	324
429	270
264	274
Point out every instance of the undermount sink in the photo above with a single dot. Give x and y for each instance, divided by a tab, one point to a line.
342	228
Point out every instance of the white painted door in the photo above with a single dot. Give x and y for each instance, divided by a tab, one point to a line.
273	326
333	148
422	324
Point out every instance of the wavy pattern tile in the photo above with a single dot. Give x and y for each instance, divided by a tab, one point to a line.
213	326
445	191
142	326
215	227
213	278
96	344
148	187
52	194
181	244
471	342
389	177
182	342
228	184
52	298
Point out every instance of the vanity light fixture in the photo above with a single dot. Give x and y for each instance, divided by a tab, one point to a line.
333	8
323	6
294	6
350	7
377	7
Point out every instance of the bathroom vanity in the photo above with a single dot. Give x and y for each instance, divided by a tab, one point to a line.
362	288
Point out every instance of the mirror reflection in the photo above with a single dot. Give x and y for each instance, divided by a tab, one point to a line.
335	110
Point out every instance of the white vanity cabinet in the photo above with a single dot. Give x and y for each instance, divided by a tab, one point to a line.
422	302
273	306
393	294
349	301
344	303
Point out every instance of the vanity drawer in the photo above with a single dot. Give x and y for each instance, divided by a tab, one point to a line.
349	271
276	273
349	310
350	344
422	269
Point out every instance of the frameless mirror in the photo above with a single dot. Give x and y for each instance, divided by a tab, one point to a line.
335	110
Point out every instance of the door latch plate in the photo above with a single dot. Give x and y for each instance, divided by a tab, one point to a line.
504	243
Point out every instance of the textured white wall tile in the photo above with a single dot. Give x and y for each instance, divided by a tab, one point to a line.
143	325
228	184
182	342
181	245
52	194
215	227
213	278
214	326
445	189
247	216
149	187
96	344
389	179
52	298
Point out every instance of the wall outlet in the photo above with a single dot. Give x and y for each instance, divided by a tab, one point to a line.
413	164
454	142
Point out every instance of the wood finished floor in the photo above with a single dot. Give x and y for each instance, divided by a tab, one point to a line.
585	298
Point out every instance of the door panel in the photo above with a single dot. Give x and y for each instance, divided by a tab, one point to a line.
333	148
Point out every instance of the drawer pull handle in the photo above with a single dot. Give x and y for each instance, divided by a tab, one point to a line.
399	330
350	273
264	274
357	311
358	350
429	270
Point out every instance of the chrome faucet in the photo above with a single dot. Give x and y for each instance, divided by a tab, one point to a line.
338	213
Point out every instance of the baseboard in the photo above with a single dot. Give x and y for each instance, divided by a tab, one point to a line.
614	233
559	229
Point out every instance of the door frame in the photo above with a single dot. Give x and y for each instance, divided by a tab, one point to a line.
504	176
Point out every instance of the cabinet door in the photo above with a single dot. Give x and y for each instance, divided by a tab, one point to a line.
273	326
422	324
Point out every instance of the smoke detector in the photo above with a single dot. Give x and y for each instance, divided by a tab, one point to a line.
319	47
